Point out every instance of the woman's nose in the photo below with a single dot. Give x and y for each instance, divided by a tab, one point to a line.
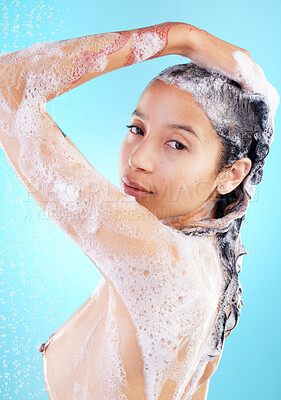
143	157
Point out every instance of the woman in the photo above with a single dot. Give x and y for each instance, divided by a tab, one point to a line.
154	327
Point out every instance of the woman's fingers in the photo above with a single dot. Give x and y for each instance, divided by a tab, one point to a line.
234	62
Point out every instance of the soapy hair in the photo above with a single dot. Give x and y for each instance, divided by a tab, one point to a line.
241	120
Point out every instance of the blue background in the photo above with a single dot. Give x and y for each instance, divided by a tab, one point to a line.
44	277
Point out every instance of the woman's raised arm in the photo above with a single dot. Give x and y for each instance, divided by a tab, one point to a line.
55	68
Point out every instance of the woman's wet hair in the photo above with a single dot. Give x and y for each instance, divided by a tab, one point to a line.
241	120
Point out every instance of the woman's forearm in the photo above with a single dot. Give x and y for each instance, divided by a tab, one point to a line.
47	70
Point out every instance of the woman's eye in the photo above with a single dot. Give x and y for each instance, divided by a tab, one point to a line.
134	129
179	145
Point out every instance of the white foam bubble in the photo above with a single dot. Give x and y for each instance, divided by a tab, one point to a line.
251	76
146	45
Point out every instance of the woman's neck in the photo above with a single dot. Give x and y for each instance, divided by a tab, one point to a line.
205	212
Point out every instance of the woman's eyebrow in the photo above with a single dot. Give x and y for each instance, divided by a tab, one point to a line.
138	114
186	128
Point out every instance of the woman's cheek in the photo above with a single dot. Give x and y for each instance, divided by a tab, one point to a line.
201	190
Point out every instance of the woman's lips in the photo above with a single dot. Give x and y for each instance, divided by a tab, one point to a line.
134	192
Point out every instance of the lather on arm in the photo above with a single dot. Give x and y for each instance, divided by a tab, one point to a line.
67	64
74	61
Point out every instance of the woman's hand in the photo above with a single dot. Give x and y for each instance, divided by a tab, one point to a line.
207	50
225	58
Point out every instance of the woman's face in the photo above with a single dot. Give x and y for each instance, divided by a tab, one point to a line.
171	150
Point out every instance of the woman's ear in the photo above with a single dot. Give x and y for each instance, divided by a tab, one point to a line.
234	175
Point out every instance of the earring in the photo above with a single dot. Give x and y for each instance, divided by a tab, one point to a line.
221	188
